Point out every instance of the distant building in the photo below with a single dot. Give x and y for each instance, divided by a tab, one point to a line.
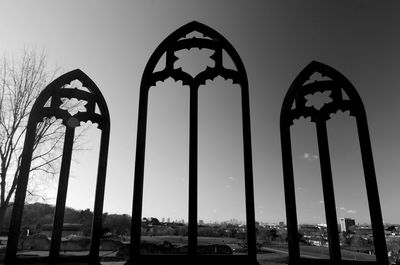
234	221
345	223
307	228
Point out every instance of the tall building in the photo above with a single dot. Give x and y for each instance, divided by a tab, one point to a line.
345	223
234	221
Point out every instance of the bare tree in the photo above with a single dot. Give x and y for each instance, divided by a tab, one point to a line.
21	81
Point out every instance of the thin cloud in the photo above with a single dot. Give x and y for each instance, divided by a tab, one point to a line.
351	211
310	157
342	208
321	201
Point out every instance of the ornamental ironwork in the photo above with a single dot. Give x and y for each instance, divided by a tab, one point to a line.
220	47
63	99
337	93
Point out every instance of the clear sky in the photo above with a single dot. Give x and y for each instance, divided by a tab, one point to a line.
111	41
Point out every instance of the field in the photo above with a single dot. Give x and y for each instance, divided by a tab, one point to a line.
323	252
272	255
179	240
276	253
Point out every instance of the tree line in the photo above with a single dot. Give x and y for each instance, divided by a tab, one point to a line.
38	214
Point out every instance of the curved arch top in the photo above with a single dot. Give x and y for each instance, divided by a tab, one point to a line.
294	103
176	41
56	101
56	90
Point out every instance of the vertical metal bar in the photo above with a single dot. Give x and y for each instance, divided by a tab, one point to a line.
372	191
139	171
248	175
99	196
327	186
19	201
193	134
290	196
62	193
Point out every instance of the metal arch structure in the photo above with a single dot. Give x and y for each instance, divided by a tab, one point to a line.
176	41
41	110
294	107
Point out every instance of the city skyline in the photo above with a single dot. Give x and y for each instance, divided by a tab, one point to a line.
275	40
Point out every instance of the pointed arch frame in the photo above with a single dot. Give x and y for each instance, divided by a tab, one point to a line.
54	92
174	42
294	107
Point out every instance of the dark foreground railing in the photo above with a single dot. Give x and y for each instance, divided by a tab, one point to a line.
294	106
211	40
42	110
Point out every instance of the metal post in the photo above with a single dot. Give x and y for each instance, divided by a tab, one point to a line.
19	201
99	196
139	172
327	186
290	196
62	193
248	175
372	191
193	138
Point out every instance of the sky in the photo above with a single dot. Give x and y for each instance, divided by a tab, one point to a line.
111	41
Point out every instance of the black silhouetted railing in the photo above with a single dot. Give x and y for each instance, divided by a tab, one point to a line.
40	111
294	107
175	42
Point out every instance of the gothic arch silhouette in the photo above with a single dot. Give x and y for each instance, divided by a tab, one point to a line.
177	41
294	106
96	112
